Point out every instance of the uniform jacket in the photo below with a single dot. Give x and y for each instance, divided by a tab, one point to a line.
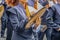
53	17
18	20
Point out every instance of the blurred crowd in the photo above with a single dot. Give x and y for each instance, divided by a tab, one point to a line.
17	13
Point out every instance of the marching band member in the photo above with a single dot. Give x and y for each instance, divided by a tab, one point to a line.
5	22
18	17
3	26
53	21
37	6
44	24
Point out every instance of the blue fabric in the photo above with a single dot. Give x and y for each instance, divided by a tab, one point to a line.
3	1
43	2
31	2
48	33
43	18
20	10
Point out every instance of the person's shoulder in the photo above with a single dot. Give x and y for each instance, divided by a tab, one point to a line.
53	7
11	10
